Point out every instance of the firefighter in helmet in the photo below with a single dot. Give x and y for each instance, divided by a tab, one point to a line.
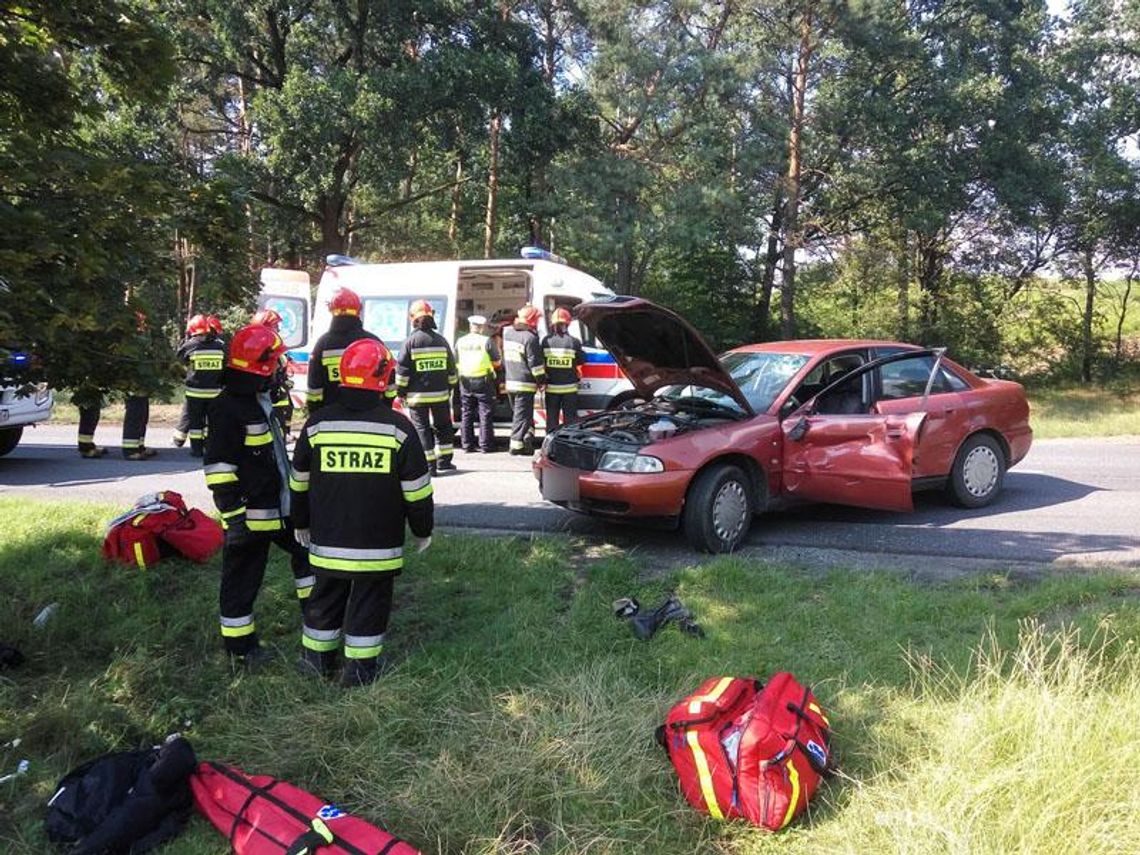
281	384
324	363
359	475
525	369
479	363
204	354
563	355
425	376
247	468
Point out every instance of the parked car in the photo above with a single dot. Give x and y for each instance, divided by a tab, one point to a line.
21	403
713	440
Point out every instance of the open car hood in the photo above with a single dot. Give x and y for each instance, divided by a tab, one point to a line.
656	348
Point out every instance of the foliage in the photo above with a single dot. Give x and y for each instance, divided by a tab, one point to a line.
517	696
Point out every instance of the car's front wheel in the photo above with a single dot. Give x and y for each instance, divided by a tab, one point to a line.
978	472
718	509
9	439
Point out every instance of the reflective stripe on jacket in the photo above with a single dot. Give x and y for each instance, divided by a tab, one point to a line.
522	360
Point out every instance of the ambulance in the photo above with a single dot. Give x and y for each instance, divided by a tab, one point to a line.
494	288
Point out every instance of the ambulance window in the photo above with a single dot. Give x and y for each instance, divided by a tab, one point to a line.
294	323
577	328
387	317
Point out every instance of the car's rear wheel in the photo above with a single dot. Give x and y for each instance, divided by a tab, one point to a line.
9	439
978	473
718	509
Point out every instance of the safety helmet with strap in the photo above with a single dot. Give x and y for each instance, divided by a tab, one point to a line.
530	316
561	316
420	309
255	350
345	302
366	364
215	324
198	325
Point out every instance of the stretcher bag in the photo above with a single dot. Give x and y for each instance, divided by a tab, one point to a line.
158	526
263	816
747	750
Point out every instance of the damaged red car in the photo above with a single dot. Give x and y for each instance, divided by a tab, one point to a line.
711	441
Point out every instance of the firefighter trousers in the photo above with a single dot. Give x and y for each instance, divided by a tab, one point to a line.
134	424
522	422
243	568
192	422
353	611
433	423
561	409
477	404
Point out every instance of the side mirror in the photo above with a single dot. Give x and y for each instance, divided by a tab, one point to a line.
799	429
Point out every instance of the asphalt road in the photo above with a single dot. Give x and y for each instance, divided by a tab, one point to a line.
1068	501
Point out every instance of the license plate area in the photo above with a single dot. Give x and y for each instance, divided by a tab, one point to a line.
560	485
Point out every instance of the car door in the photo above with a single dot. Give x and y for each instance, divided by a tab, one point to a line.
865	459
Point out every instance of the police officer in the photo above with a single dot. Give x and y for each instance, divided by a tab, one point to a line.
246	468
479	362
324	362
425	376
563	355
525	370
204	354
281	384
359	474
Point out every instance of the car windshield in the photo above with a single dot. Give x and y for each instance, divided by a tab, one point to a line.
760	376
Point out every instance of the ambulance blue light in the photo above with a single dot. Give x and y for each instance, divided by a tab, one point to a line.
539	252
339	260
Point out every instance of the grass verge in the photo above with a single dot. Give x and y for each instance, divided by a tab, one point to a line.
993	714
1083	412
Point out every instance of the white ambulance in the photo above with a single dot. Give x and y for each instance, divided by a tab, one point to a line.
494	288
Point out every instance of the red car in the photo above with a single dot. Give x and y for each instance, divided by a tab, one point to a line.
713	441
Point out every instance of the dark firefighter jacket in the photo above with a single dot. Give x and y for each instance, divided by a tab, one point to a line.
563	355
246	464
359	473
324	362
205	357
523	362
425	371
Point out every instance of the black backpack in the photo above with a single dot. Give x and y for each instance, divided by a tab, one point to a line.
125	802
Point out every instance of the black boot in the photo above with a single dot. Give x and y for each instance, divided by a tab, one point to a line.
645	624
361	672
317	663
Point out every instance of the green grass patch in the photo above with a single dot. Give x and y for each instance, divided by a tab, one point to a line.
992	714
1084	411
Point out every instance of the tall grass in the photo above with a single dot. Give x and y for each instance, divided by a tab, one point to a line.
519	716
1084	411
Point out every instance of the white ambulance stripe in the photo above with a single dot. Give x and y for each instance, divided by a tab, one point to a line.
355	554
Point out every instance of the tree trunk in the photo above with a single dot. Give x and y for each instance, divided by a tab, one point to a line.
332	238
456	191
902	283
768	277
492	185
1087	320
793	238
931	258
1119	350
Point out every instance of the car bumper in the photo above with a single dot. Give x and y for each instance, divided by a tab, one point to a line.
18	411
613	494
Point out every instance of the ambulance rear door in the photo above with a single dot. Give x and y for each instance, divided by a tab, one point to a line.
288	293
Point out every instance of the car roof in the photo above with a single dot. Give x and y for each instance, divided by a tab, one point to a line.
813	346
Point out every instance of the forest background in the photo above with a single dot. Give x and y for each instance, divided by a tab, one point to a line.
953	172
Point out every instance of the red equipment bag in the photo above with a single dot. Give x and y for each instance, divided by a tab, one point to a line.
263	816
747	750
160	525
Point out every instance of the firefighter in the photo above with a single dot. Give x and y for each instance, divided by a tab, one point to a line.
425	376
359	475
525	370
563	355
479	362
246	468
281	384
324	363
204	354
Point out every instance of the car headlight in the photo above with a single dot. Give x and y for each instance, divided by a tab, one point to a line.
626	461
43	394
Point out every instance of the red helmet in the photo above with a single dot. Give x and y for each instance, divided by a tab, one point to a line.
366	364
215	324
420	309
267	318
561	316
255	350
530	315
198	325
345	302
